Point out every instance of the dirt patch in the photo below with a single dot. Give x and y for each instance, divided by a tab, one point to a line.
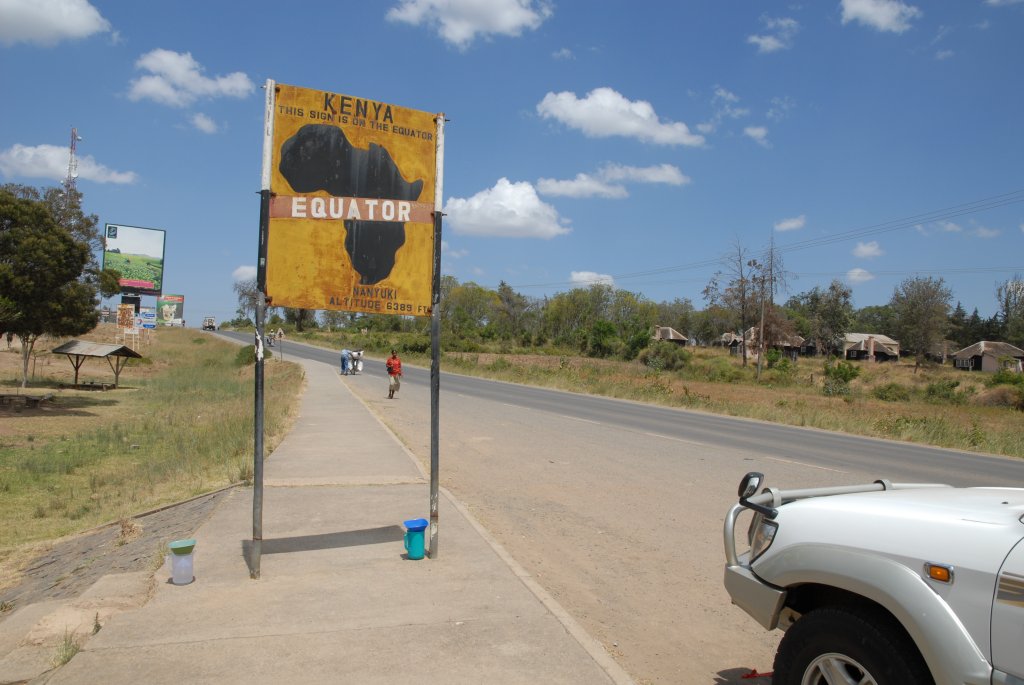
68	567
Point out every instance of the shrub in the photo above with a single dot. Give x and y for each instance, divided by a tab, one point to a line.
891	392
665	356
1002	396
944	391
246	355
1006	377
835	387
840	370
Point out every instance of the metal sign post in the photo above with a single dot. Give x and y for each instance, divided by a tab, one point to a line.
261	309
435	344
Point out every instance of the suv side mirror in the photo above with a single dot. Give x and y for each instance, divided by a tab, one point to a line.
750	484
748	487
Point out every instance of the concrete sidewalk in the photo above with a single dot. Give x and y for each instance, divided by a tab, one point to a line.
337	601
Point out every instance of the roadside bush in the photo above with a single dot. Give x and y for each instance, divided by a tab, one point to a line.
417	345
945	392
891	392
1006	377
840	370
835	387
838	374
665	356
247	355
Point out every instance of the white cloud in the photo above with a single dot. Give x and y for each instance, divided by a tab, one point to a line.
943	55
948	227
605	112
607	182
459	22
509	210
779	36
584	185
723	101
449	251
794	224
658	173
204	123
47	22
244	273
564	53
588	278
51	161
759	134
983	232
1002	3
859	276
869	249
177	79
780	109
884	15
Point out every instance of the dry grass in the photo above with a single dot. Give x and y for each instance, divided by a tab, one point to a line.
714	381
180	425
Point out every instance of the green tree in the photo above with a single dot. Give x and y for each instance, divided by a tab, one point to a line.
677	314
1010	296
300	318
921	309
958	326
828	314
468	310
41	269
512	313
875	319
66	210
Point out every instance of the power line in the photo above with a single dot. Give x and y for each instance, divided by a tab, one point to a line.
932	216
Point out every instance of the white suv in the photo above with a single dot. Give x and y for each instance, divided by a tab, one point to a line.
884	584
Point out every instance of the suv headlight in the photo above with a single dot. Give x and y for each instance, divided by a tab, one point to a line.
760	535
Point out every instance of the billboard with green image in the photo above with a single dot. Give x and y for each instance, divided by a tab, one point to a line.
138	255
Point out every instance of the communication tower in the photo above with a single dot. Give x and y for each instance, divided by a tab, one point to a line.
71	180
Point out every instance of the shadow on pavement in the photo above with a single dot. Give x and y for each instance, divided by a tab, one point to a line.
309	543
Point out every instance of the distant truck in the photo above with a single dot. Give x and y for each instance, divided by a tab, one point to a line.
209	324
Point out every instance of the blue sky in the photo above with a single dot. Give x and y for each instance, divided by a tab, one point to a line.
633	143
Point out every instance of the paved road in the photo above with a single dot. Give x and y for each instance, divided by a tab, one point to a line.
899	461
616	508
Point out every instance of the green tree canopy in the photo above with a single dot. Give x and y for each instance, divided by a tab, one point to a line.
921	308
41	268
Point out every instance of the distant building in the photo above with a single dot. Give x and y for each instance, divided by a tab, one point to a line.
870	346
670	334
990	356
789	345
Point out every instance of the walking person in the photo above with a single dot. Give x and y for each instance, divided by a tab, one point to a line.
394	366
346	361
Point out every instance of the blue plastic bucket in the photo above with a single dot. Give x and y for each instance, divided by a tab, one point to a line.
414	537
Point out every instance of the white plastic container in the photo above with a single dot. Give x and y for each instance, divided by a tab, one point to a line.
181	561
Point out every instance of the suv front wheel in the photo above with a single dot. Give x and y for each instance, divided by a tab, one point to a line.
845	645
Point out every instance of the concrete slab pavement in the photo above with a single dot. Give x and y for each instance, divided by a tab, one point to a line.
337	600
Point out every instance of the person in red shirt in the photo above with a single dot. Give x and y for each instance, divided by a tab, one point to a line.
394	365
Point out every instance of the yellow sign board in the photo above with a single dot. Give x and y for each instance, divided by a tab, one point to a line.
352	185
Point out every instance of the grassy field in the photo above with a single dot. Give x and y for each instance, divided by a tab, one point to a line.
934	405
181	424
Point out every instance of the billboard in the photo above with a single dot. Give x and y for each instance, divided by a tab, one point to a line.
138	254
126	316
170	309
352	186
